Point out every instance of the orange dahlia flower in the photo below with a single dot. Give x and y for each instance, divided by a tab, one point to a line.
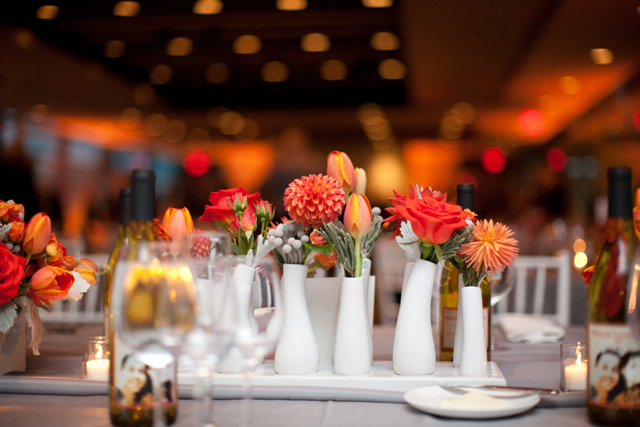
314	200
492	247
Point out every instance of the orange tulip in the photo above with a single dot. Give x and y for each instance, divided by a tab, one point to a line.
357	215
361	181
50	283
177	223
340	167
88	270
37	234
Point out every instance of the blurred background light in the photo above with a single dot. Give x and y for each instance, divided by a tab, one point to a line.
493	160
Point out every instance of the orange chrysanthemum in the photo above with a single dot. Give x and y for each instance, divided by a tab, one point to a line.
492	247
314	200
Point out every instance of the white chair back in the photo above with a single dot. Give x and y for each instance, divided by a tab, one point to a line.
388	264
87	310
539	272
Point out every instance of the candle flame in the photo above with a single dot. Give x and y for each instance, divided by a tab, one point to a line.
99	352
578	355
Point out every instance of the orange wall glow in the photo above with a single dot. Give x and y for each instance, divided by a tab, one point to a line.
246	164
430	163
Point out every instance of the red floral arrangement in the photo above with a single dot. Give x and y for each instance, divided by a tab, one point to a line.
437	226
35	269
245	216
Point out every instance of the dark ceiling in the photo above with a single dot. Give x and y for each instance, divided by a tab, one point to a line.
501	56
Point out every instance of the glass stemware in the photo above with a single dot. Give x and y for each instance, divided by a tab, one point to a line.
206	344
154	309
501	285
254	313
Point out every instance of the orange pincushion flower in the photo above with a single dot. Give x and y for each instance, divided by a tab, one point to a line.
314	200
492	247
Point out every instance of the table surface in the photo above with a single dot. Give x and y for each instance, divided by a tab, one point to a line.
525	365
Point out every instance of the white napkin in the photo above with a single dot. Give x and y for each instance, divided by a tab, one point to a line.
529	328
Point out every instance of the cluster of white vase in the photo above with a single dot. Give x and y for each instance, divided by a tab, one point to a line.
414	352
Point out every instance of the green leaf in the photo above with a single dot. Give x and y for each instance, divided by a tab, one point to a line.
7	316
326	249
236	249
438	252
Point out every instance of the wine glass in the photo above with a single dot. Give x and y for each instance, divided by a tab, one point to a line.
208	256
154	308
502	283
254	314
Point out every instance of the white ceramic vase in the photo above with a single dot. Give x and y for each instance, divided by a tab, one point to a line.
297	352
457	343
366	274
473	361
352	351
407	272
413	347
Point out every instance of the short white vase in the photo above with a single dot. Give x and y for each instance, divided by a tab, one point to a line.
413	347
473	361
297	352
352	351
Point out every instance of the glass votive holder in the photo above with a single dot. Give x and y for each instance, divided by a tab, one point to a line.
573	366
95	361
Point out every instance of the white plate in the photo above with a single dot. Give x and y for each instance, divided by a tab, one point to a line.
429	400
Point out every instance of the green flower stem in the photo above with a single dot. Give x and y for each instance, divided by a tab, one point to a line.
358	271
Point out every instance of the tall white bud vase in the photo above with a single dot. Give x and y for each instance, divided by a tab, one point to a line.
414	351
457	343
297	352
474	352
352	352
366	275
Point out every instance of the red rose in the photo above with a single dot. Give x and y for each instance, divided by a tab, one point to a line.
432	221
221	211
11	273
400	200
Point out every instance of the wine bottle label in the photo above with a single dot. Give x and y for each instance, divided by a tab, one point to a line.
614	366
133	380
449	317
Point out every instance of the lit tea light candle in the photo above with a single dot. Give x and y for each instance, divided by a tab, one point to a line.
98	368
575	376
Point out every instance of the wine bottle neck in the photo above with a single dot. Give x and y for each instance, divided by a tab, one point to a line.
141	231
617	227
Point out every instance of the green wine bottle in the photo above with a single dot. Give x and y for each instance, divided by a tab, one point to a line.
131	400
612	398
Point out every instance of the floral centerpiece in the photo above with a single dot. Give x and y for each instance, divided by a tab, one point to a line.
428	226
245	217
35	270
